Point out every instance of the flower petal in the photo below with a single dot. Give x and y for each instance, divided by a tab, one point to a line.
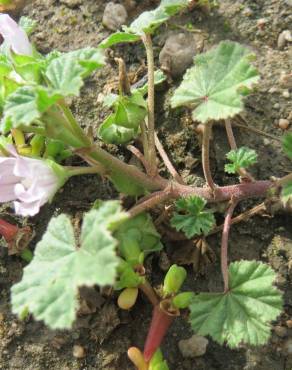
14	35
7	193
27	209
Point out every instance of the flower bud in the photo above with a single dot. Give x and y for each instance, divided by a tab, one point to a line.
128	298
183	300
136	356
173	280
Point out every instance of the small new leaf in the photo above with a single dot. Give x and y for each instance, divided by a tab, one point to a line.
286	194
244	313
194	220
213	85
240	158
287	144
50	283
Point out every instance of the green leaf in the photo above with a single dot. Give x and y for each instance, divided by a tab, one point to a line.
30	68
66	72
25	105
49	287
148	21
127	277
142	230
27	24
174	6
287	144
123	125
240	158
212	86
111	133
117	38
243	314
286	194
195	220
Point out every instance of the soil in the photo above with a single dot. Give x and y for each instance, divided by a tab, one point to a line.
104	332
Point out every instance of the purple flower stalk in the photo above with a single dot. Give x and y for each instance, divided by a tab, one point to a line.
28	182
14	35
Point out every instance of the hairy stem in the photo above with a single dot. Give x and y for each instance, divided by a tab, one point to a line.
206	155
152	201
167	162
224	245
151	155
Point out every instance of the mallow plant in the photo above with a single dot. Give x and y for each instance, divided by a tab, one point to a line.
39	131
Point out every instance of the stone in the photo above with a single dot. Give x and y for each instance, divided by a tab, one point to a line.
283	123
193	347
177	54
78	351
284	37
114	16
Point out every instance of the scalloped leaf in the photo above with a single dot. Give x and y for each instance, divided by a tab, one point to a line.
244	313
194	220
214	85
66	72
49	286
241	158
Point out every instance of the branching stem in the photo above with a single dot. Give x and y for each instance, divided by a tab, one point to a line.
147	289
167	161
224	245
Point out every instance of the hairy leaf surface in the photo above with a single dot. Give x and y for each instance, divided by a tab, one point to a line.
241	158
244	313
214	85
286	194
66	72
50	283
192	219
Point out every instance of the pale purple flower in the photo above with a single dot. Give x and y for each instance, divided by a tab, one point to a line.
28	182
14	35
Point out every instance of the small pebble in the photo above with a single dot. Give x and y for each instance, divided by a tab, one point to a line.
177	54
284	37
273	90
193	347
286	94
289	324
78	351
114	16
283	123
276	106
261	23
281	331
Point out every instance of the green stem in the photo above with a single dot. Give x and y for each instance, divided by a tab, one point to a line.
73	123
151	155
76	171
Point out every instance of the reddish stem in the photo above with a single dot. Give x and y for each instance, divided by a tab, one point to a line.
161	321
224	245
